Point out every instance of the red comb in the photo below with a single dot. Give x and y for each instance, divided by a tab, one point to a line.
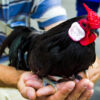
93	18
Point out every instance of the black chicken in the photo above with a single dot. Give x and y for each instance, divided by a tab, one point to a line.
57	52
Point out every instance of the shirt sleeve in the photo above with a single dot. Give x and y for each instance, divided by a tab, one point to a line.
49	12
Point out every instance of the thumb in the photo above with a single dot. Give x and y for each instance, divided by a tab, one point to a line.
29	93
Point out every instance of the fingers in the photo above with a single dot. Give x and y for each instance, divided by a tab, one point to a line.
79	89
26	92
93	71
86	95
63	90
30	76
68	91
94	74
34	83
45	91
95	78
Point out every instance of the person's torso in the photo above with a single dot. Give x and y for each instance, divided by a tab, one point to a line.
16	11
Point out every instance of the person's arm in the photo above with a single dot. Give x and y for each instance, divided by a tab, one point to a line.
9	76
53	25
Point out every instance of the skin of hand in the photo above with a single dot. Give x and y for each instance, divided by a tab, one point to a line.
31	87
53	25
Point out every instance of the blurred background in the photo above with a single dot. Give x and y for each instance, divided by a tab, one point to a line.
70	6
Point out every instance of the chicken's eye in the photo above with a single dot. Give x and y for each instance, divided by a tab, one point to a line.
84	25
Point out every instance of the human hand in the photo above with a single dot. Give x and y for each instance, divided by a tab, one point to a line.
28	91
82	91
65	91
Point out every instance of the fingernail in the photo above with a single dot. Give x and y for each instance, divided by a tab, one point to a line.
90	92
85	83
30	94
90	87
71	86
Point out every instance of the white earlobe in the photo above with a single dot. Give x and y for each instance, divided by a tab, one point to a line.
76	33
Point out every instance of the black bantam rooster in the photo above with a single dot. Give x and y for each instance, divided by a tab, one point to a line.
65	50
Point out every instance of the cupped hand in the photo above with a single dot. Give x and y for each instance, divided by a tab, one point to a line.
81	90
67	91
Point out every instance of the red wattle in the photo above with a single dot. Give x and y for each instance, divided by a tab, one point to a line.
88	39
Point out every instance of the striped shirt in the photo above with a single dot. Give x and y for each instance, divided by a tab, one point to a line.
17	12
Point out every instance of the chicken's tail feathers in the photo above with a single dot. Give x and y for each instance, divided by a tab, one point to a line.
19	31
18	43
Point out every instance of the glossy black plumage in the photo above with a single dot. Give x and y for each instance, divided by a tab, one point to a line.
52	53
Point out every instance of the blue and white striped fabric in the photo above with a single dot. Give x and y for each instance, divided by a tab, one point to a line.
16	12
49	12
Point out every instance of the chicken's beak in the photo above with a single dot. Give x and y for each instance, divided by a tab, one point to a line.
96	32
